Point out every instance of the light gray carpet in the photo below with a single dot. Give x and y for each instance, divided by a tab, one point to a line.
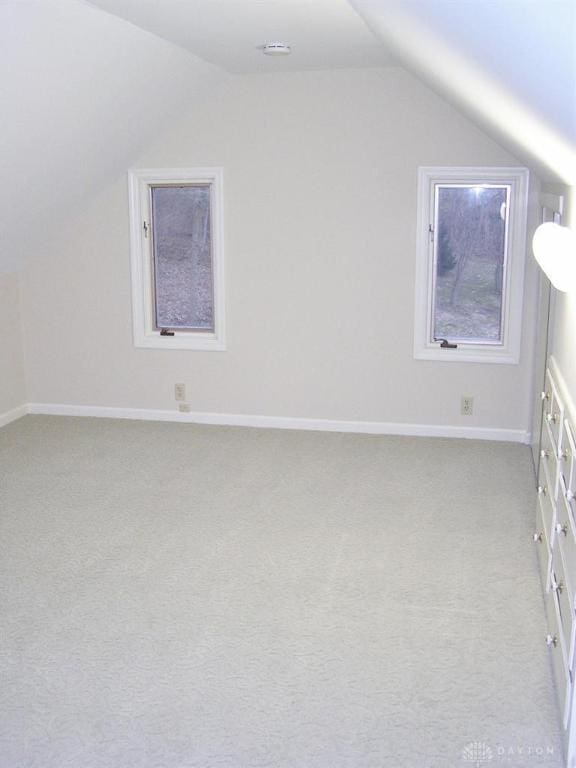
176	596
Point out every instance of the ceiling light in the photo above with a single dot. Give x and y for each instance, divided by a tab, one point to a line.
554	248
275	49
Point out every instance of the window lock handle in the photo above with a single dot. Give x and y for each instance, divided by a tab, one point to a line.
445	344
166	332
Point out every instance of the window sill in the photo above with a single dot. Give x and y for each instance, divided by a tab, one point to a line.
467	354
207	342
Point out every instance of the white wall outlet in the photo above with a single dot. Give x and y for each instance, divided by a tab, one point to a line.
180	391
467	405
184	408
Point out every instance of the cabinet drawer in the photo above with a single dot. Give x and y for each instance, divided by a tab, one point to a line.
566	612
567	457
565	531
544	555
553	409
549	462
547	506
555	643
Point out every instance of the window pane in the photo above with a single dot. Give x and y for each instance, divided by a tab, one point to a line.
470	262
182	244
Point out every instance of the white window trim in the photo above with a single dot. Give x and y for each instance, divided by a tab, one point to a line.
513	290
145	335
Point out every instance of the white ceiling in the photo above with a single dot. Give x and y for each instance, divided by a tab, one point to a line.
527	46
324	34
510	65
81	101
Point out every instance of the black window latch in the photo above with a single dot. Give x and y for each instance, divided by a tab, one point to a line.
445	344
166	332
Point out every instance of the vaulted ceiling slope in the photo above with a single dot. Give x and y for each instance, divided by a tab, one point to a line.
82	93
508	64
323	34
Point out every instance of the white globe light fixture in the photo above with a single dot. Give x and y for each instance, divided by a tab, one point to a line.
554	248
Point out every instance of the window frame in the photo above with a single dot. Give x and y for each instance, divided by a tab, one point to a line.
145	334
508	351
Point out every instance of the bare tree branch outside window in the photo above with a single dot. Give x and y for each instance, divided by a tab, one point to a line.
470	262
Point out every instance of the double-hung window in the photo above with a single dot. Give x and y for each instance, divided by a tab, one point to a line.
176	255
470	264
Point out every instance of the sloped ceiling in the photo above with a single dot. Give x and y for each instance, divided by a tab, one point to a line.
323	34
508	64
82	94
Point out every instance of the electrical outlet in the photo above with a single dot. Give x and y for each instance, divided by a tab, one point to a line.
467	405
179	391
184	408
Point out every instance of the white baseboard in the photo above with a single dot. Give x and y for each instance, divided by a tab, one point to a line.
13	415
284	422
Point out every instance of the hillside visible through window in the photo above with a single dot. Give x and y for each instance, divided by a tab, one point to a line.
470	262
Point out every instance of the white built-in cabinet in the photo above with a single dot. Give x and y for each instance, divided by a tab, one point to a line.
555	539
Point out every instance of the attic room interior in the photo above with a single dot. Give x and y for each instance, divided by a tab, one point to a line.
288	384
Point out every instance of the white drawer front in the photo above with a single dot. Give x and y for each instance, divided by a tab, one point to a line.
553	409
544	557
567	456
566	611
565	531
555	642
549	462
547	506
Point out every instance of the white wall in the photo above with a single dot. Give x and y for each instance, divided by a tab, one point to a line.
563	346
82	93
12	384
320	212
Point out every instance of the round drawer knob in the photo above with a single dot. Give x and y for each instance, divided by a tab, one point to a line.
538	536
545	395
562	528
551	640
542	490
544	454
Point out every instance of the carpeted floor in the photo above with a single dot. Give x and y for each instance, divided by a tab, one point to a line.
178	596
